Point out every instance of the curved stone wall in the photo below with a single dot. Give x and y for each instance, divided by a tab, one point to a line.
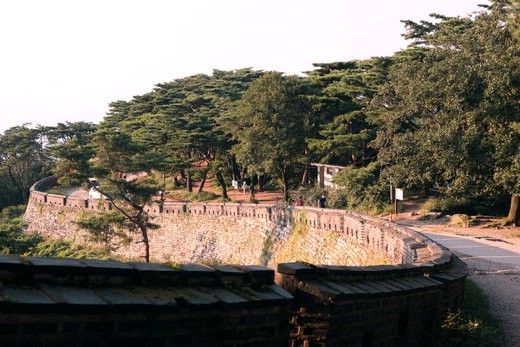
336	303
245	233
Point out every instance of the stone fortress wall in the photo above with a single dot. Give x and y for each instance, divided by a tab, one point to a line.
317	253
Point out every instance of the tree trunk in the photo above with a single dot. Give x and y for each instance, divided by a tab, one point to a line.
514	211
19	188
201	187
252	190
285	184
305	177
222	183
189	183
146	242
234	168
260	182
364	155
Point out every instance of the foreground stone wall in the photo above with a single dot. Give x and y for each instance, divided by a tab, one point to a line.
331	304
90	303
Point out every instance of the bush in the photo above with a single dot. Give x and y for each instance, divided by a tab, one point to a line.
457	205
63	249
447	205
201	197
13	239
359	190
309	195
472	325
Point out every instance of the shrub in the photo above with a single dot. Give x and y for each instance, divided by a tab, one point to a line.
472	325
184	195
63	249
309	195
13	239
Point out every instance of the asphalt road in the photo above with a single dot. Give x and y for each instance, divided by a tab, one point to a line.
489	249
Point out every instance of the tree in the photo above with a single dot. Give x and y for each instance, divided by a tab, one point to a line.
269	126
23	160
117	153
339	130
109	155
186	120
71	143
449	111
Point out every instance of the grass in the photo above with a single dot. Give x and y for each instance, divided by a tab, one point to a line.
473	324
515	234
447	205
184	195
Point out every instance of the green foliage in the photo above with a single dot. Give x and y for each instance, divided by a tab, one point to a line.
309	195
187	196
447	205
454	205
13	239
70	142
269	126
472	325
359	189
63	249
449	109
110	229
184	120
23	160
339	129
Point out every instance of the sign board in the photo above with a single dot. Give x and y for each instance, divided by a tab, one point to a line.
399	194
234	183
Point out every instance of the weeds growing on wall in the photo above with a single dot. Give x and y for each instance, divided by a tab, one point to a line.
289	248
14	240
472	325
267	248
63	249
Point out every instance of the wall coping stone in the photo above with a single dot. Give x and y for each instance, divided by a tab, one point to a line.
87	286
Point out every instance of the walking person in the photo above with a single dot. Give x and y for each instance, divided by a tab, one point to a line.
244	187
322	201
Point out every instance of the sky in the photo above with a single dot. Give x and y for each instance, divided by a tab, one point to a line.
66	60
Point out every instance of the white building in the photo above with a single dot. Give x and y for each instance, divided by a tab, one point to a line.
326	173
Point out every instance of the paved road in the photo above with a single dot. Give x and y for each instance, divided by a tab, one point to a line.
493	250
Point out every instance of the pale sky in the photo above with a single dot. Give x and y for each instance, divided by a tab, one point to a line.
66	60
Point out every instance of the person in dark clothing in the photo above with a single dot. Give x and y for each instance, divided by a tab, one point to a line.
321	201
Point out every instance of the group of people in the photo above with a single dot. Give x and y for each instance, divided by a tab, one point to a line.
321	201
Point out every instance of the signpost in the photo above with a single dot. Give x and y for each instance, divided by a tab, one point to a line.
398	196
234	183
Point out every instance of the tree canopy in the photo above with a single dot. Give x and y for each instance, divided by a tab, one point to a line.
443	114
